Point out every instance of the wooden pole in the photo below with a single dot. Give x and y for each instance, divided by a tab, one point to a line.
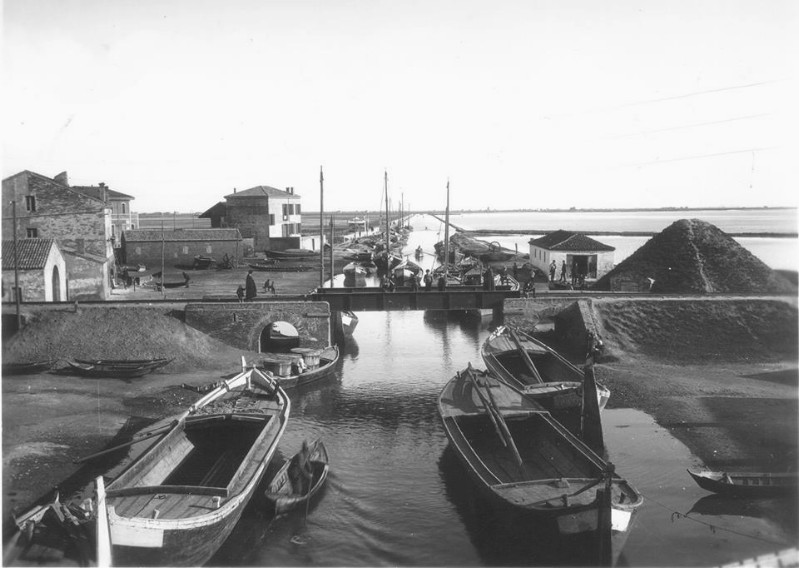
17	293
446	235
163	276
321	228
332	271
487	406
503	425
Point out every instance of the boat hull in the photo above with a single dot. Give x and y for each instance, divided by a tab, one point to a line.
281	491
747	484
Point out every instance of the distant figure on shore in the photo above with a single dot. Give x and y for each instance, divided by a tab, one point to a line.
488	278
529	288
553	268
563	272
428	280
240	293
269	286
442	283
650	282
250	289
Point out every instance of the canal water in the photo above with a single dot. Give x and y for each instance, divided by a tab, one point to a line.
398	496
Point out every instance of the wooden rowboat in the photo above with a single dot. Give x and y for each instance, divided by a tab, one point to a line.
745	484
523	460
179	500
290	372
288	489
536	369
289	254
116	368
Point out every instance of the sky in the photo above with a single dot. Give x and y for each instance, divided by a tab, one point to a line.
518	104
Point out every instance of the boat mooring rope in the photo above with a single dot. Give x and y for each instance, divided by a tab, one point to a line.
675	515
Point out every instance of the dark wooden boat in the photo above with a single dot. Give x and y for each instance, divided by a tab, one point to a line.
290	254
114	364
264	265
536	369
179	500
289	489
161	283
27	368
523	460
359	256
303	366
746	484
105	371
202	262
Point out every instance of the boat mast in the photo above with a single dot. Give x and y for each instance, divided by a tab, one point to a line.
446	235
388	230
321	228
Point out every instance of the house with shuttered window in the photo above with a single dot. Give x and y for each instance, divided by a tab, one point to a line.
267	218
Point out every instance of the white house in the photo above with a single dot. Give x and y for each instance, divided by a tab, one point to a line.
587	256
40	270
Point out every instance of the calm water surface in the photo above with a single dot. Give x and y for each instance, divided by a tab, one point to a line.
397	495
775	252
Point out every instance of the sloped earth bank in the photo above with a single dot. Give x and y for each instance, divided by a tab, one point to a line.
721	375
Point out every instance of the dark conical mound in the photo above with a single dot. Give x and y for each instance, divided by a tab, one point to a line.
693	256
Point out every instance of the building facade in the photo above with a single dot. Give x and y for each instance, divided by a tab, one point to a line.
122	218
41	271
583	255
270	218
80	225
179	247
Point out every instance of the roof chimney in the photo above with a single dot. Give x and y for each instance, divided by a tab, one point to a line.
62	179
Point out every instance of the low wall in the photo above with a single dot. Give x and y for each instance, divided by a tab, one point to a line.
241	325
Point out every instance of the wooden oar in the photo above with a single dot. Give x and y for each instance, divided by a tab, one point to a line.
525	356
503	425
147	436
487	406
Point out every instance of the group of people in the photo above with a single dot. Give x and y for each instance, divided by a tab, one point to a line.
576	274
417	281
249	290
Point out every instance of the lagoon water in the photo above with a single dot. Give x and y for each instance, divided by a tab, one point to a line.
397	496
776	252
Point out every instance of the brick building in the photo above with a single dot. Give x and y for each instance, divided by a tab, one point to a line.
269	218
180	246
122	218
589	257
79	223
41	271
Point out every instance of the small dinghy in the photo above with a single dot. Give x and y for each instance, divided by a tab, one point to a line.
289	488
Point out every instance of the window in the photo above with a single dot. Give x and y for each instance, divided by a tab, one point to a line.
271	219
124	209
209	249
32	233
138	250
297	208
185	250
30	203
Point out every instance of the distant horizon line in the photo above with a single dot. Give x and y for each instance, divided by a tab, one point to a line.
523	210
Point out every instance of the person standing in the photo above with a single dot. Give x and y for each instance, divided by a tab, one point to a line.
250	288
428	280
563	272
553	268
240	293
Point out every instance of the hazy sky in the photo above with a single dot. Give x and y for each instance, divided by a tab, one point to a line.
521	104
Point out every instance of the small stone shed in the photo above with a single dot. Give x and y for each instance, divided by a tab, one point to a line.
591	258
41	271
179	246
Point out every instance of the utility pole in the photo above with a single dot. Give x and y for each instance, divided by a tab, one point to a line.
332	272
321	228
16	264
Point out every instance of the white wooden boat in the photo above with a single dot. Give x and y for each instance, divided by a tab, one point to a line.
179	500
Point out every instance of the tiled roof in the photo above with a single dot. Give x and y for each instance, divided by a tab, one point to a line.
97	192
217	209
150	235
31	253
261	190
566	241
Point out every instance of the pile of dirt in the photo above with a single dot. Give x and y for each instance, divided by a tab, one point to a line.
702	331
118	333
693	256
